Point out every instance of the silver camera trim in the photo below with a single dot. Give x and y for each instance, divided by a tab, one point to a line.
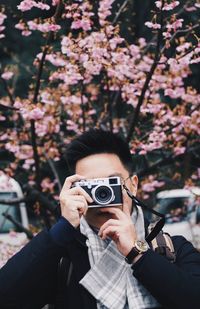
99	182
100	202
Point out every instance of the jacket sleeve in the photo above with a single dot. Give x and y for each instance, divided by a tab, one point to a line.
29	278
173	285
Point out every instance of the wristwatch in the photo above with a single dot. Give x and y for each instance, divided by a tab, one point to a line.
140	246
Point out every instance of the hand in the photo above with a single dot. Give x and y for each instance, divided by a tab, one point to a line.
121	230
73	201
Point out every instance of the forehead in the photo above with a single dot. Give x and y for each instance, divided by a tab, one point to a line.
101	165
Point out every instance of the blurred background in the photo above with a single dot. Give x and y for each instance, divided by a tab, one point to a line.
130	67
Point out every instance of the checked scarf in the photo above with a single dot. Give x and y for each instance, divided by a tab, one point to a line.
110	279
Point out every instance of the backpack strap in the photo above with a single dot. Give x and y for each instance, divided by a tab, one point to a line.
163	245
64	271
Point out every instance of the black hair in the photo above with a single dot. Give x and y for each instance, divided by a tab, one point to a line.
97	141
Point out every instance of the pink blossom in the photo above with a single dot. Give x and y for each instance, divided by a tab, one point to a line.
32	25
150	187
18	104
27	5
20	26
179	150
152	25
183	47
11	246
56	60
41	129
195	60
28	163
115	41
42	6
158	4
142	42
170	6
167	35
172	61
191	9
175	25
85	24
47	184
7	75
175	93
2	18
45	27
3	137
104	10
55	2
25	152
26	33
46	98
12	147
35	114
142	152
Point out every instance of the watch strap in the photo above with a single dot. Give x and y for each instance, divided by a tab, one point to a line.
131	255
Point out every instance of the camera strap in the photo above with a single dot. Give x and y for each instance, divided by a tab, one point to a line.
158	225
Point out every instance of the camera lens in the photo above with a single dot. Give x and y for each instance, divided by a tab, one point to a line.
103	195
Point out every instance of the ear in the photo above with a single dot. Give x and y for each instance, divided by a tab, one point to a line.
134	182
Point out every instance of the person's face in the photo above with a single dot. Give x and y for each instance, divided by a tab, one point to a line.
101	166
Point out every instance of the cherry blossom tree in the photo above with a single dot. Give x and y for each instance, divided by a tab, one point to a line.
87	74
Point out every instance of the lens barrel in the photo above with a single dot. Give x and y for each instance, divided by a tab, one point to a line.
102	195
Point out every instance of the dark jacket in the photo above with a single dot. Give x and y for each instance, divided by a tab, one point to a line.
31	279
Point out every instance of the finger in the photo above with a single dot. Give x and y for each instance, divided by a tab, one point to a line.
80	192
110	222
81	208
71	179
78	198
81	199
111	231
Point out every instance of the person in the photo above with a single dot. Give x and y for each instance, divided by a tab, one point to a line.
96	257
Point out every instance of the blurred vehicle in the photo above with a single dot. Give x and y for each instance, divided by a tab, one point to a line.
10	189
182	213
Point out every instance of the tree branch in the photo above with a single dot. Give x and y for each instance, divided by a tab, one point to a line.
119	12
47	46
83	107
178	32
135	117
7	90
52	166
5	107
165	20
36	92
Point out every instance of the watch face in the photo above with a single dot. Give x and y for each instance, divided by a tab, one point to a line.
142	246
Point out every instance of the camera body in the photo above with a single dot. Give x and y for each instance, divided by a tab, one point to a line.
105	192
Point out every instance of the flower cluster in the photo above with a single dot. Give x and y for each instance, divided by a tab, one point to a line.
13	244
2	18
27	5
94	77
80	14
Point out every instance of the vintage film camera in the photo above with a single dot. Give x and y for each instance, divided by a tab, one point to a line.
105	192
